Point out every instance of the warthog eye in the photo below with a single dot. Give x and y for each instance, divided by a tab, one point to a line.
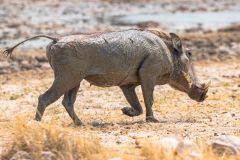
189	54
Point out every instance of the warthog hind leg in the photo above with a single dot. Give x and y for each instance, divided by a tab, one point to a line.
60	85
68	103
50	96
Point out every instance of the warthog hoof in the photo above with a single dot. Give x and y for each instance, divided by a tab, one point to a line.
38	118
130	111
152	119
78	122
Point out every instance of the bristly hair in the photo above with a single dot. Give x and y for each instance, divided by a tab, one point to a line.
8	52
164	36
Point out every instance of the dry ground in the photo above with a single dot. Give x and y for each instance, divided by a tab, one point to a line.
99	108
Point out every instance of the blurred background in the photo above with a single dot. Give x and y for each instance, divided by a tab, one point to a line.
209	27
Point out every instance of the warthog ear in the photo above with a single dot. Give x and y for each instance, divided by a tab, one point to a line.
177	43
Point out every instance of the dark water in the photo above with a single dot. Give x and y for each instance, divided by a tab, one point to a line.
180	21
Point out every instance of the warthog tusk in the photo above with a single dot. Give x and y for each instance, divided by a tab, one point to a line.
188	77
205	86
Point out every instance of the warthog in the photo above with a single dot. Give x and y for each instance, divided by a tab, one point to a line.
126	59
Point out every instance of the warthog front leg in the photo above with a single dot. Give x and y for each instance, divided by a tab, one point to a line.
147	89
68	103
130	94
148	76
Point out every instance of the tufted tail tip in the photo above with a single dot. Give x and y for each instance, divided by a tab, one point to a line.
8	52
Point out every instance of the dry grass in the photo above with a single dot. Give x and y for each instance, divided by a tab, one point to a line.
67	143
35	138
155	152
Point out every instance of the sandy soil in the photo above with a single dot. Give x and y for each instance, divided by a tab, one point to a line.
99	108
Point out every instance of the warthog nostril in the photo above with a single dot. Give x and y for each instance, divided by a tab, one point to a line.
203	96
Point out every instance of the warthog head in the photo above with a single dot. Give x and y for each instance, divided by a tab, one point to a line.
183	77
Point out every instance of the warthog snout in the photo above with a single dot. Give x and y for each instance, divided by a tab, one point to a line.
199	92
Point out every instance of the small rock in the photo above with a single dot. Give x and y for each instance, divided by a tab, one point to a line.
21	155
127	127
41	59
97	124
4	64
233	96
26	65
229	145
45	65
169	142
185	148
189	150
137	143
47	155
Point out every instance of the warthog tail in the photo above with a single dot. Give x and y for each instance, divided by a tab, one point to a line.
8	52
